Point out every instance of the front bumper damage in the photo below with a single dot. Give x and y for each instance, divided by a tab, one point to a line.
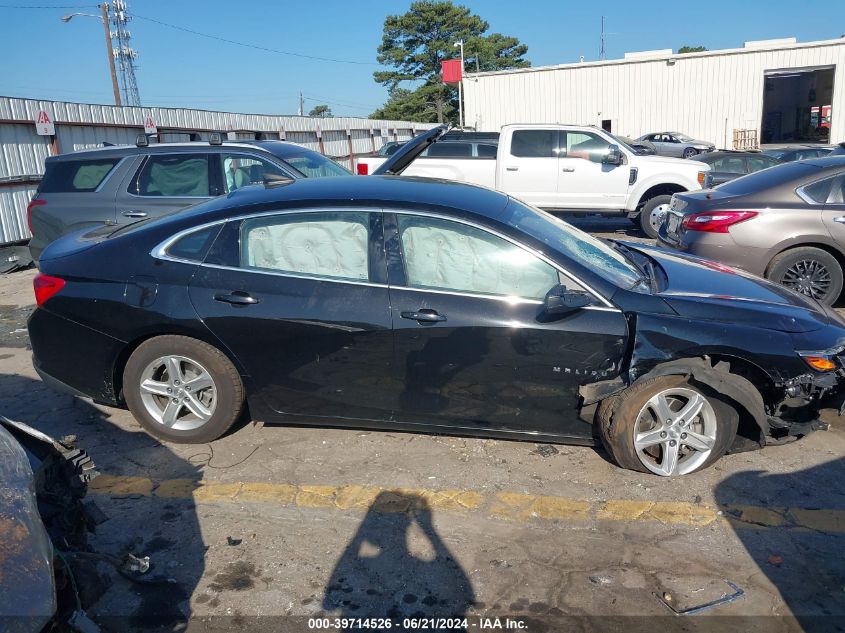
42	513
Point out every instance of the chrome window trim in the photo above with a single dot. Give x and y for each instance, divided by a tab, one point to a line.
539	255
160	252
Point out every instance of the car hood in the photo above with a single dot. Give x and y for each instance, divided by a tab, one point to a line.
706	290
676	163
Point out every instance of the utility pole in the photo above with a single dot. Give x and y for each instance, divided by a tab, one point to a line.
601	52
104	12
460	43
301	105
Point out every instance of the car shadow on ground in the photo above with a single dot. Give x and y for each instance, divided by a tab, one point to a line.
397	566
805	565
139	522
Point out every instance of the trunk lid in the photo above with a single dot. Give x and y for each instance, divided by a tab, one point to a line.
406	154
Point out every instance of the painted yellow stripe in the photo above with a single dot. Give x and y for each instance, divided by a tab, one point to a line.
509	506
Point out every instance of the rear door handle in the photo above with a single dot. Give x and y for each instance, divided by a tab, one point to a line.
568	169
512	168
424	316
840	219
237	297
134	214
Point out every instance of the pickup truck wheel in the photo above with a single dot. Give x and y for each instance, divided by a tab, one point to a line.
653	213
810	271
667	425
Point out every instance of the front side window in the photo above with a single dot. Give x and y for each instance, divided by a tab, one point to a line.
330	244
240	170
172	175
534	143
444	255
729	164
586	145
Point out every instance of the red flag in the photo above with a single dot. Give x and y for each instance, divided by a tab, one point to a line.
452	71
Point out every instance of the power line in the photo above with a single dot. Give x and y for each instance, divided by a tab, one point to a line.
53	6
254	46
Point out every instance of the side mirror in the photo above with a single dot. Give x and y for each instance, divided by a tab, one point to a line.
560	301
613	156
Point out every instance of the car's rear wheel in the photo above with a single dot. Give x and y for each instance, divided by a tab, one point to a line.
689	152
667	425
653	213
182	390
810	271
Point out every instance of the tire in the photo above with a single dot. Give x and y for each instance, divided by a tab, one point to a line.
626	416
689	152
652	214
166	386
815	263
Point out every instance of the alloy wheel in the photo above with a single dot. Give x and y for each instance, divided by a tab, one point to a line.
178	392
809	277
675	432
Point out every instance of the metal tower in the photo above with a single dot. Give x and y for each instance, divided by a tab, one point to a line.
124	55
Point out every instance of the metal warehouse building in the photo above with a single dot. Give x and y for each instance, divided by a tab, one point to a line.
777	91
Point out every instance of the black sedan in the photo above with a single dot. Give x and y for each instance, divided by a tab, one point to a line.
727	165
429	306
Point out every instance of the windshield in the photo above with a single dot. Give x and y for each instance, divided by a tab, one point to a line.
315	165
592	253
682	137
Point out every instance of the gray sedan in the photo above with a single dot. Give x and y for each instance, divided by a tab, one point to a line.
677	144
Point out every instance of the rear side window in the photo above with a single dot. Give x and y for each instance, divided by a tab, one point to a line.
173	175
487	151
534	143
194	246
76	175
449	150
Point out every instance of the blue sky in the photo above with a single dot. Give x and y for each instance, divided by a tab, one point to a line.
45	58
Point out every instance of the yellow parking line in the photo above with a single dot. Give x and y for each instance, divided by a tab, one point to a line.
508	506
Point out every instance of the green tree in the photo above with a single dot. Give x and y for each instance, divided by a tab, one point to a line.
415	43
322	111
692	49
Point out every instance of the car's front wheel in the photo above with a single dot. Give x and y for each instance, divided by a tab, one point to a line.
653	213
810	271
182	390
667	425
689	152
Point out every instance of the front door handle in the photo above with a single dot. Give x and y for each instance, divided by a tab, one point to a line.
237	297
840	219
512	168
424	316
134	214
568	169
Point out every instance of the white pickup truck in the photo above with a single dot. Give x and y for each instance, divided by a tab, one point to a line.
571	168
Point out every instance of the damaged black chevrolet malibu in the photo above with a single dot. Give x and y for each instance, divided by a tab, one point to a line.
429	306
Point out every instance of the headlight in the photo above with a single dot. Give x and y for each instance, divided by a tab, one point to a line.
701	176
824	360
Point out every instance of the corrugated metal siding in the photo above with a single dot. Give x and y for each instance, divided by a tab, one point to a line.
83	126
13	225
705	95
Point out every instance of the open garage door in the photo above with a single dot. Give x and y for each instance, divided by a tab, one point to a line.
797	105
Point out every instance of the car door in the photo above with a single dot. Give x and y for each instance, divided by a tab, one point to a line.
472	349
584	180
832	192
661	144
300	299
165	182
673	146
529	170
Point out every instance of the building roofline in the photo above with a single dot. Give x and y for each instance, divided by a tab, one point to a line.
645	57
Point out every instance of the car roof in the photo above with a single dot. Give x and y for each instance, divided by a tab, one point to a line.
278	148
378	191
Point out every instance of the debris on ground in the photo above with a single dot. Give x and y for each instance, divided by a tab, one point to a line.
667	599
601	579
545	450
233	541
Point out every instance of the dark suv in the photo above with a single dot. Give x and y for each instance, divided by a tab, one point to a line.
122	184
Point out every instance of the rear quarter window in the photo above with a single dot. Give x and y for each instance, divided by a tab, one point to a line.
194	246
76	175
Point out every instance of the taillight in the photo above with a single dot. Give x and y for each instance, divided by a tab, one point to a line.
35	202
363	169
715	221
45	287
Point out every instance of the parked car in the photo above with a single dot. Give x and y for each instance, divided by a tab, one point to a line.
726	165
838	150
643	148
573	168
786	223
122	184
801	152
454	144
424	305
677	144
